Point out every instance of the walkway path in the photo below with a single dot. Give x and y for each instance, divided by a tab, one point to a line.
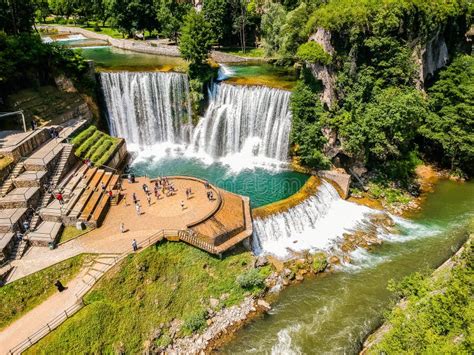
32	321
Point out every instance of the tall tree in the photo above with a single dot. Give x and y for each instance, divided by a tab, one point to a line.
17	16
170	15
196	38
451	125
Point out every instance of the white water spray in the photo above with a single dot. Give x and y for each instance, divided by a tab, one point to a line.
315	224
254	120
148	108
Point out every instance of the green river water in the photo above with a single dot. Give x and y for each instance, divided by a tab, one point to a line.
333	313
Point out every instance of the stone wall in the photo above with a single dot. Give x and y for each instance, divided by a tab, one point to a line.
118	157
342	181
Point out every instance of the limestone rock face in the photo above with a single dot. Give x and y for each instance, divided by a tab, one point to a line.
430	57
324	72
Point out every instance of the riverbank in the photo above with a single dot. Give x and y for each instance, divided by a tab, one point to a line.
158	47
420	301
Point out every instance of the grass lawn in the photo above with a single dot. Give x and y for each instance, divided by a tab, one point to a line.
5	162
71	232
250	53
165	282
109	31
20	296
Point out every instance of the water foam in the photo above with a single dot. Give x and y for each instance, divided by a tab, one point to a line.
315	224
284	344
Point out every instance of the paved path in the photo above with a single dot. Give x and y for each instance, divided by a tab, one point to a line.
40	315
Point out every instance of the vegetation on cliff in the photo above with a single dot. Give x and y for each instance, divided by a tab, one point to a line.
170	284
436	316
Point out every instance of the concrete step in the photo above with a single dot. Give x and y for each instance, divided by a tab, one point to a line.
46	232
30	179
20	197
10	219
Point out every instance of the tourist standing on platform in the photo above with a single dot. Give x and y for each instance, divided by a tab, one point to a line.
122	227
182	205
134	198
59	197
148	198
134	245
138	209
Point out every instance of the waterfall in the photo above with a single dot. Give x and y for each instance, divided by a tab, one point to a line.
245	119
316	223
148	108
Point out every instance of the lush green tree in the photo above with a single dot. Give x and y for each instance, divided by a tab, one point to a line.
42	9
451	125
306	133
17	16
294	31
131	16
25	61
216	12
386	127
273	20
196	38
312	52
170	15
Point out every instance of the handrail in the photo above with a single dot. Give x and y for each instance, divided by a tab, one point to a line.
43	331
188	236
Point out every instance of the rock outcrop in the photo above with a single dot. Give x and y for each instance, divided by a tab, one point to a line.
430	57
324	72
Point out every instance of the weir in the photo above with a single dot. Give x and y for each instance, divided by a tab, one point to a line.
316	223
249	119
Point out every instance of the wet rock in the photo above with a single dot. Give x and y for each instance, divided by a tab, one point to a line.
264	304
334	260
261	261
299	277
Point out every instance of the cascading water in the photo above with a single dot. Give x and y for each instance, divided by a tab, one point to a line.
316	223
255	121
148	108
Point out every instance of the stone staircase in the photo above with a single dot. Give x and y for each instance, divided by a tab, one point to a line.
9	183
19	248
61	165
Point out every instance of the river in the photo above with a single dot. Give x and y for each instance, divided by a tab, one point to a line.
335	312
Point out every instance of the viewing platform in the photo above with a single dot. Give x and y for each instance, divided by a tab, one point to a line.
213	225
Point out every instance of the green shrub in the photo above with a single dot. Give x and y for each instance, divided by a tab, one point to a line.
313	52
102	150
319	262
81	137
108	153
103	138
84	147
251	279
195	321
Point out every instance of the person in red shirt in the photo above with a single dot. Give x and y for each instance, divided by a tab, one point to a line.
59	197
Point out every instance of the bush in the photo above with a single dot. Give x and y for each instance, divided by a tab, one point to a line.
88	144
81	137
100	152
195	321
313	52
251	279
319	262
